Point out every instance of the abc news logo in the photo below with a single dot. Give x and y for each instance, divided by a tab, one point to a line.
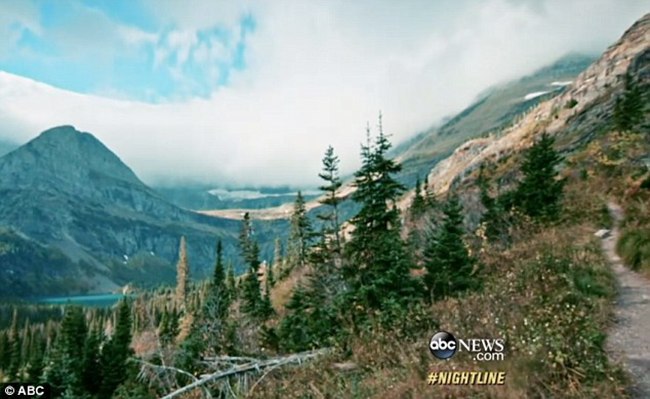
444	345
23	391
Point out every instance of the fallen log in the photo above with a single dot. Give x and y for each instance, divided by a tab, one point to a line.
256	365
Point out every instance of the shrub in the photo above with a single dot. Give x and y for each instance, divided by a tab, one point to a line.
634	248
571	103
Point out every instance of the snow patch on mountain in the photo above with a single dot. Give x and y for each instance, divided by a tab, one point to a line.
536	94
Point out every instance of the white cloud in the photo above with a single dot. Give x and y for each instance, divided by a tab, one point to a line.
199	14
315	73
91	34
15	17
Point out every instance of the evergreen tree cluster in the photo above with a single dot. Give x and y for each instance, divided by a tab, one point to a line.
74	356
538	196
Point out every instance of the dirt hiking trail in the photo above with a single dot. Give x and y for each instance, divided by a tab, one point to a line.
629	337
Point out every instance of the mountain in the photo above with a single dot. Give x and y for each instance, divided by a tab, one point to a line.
578	115
495	109
65	193
7	146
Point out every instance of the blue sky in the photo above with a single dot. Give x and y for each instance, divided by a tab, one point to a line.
251	92
122	49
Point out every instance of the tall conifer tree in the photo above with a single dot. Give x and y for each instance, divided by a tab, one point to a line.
14	358
63	372
116	352
630	106
447	261
182	274
378	271
331	185
300	234
540	193
418	205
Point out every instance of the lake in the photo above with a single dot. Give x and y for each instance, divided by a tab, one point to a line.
94	300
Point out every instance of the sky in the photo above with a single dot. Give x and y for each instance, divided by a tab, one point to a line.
251	93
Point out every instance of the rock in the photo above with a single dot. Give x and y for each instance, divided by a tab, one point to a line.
603	233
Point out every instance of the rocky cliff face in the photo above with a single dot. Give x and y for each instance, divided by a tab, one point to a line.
577	111
66	190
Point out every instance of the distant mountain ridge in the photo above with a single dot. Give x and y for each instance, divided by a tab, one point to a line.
494	109
68	192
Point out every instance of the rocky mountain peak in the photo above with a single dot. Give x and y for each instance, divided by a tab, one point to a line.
63	153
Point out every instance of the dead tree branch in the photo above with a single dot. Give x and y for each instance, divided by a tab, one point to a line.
162	369
255	365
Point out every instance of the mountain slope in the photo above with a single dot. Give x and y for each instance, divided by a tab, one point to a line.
575	116
495	109
6	146
66	190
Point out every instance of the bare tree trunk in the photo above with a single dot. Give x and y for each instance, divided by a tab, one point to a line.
242	369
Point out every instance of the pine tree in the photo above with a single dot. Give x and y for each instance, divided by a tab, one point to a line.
219	275
270	277
207	333
278	261
493	217
332	183
447	261
418	206
63	372
251	293
312	315
116	352
14	358
231	283
91	362
540	193
293	331
311	319
629	108
311	312
4	351
300	234
429	194
168	327
25	342
164	333
182	274
245	238
378	271
36	357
